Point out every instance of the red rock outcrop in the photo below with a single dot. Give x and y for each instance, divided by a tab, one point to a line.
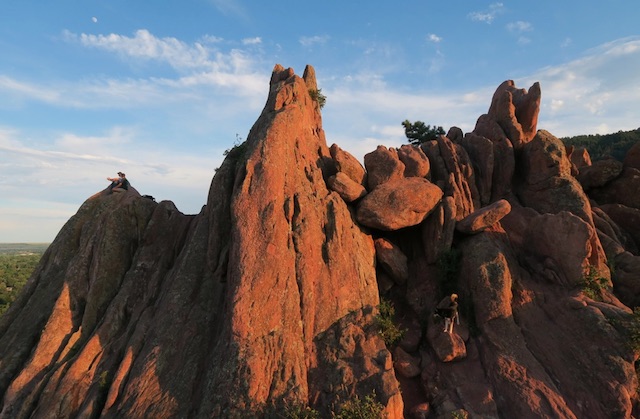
398	204
349	165
266	299
632	158
484	217
219	314
383	165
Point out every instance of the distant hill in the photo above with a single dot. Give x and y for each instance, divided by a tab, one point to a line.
599	146
22	248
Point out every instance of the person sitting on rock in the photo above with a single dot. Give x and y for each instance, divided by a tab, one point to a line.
448	308
119	184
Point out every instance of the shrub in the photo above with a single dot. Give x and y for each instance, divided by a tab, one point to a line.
301	412
387	328
593	285
318	97
356	408
633	328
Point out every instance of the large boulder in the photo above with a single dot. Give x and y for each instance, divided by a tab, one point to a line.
627	219
452	168
548	185
392	260
416	163
632	158
383	165
618	191
346	187
516	111
599	173
484	218
348	164
398	204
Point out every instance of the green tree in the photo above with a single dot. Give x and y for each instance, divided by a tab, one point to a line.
417	132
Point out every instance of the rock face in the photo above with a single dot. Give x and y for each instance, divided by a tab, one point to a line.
213	315
268	298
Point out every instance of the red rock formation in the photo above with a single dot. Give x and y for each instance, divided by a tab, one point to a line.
383	165
516	111
398	204
632	159
164	315
267	298
346	187
599	173
416	163
348	165
484	218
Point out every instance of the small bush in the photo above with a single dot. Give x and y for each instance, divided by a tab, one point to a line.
356	408
593	285
633	328
318	97
301	412
387	328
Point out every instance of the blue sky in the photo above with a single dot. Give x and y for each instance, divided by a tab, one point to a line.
159	90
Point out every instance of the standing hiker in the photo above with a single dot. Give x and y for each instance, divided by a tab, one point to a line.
448	308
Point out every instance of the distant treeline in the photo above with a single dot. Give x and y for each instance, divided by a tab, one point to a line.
17	262
608	145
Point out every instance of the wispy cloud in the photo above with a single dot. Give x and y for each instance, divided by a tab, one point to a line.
252	41
309	41
432	37
201	64
597	93
487	16
230	8
519	26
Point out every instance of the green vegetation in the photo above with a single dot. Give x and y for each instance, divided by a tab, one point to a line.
417	132
387	328
593	285
17	262
356	408
318	97
600	146
633	328
301	412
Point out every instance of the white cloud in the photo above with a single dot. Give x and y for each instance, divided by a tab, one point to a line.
434	38
519	26
252	41
602	88
566	42
309	41
144	45
487	16
523	40
230	8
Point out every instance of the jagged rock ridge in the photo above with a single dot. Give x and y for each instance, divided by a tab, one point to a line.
268	297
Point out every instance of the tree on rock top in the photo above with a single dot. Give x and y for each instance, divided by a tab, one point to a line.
417	132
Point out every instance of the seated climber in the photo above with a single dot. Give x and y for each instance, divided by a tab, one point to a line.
119	184
448	308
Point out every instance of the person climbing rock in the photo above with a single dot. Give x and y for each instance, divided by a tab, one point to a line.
118	184
448	308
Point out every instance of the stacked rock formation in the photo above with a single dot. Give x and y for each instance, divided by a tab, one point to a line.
268	298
